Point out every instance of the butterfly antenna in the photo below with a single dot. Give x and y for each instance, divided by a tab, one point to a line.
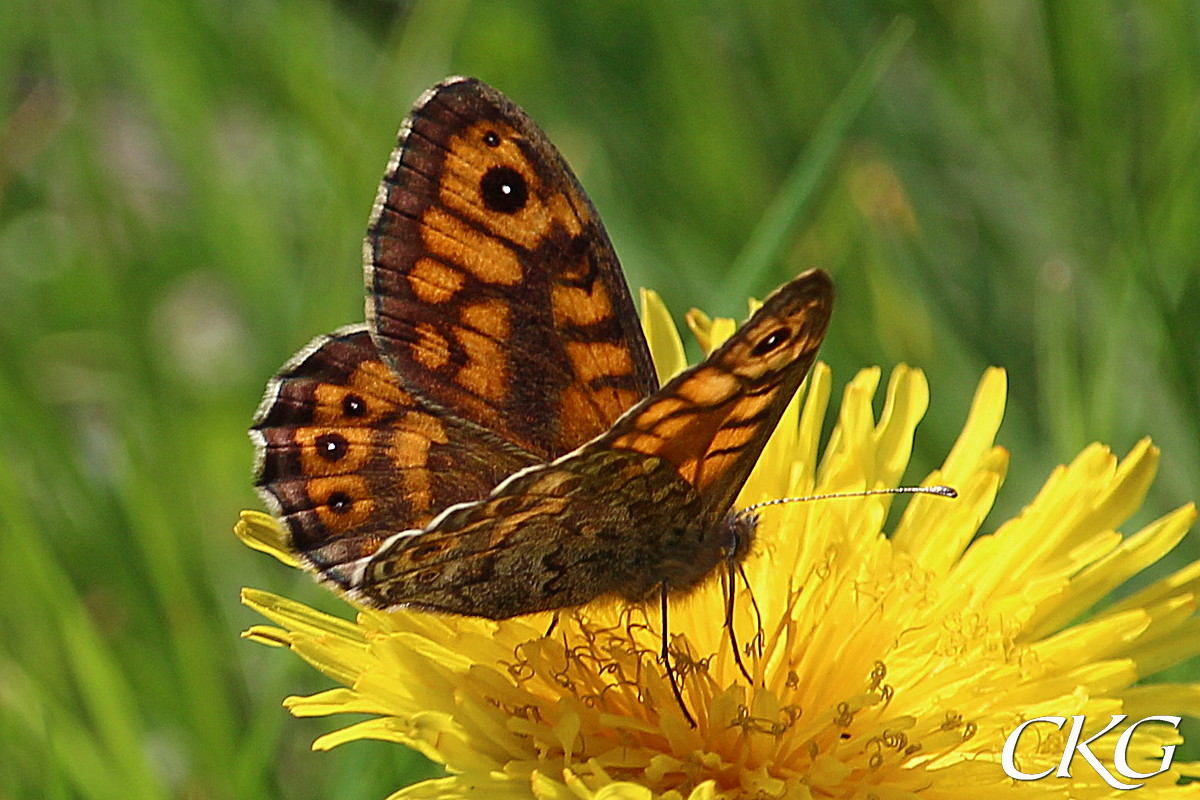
731	585
939	490
666	657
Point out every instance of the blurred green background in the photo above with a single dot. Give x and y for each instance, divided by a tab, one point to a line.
184	185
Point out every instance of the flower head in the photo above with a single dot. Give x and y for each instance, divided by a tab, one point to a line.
883	665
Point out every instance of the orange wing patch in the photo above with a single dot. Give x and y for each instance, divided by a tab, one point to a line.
577	306
489	317
433	282
485	374
455	242
431	348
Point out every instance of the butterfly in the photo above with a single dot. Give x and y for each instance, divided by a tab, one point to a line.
494	440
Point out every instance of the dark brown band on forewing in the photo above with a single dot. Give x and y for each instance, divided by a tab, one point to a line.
346	456
494	289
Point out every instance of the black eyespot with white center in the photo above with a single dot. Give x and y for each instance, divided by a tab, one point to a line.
339	502
772	341
353	405
504	190
332	446
491	139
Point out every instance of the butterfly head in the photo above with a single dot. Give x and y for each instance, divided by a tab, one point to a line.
739	529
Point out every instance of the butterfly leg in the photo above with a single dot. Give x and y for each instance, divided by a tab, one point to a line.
759	636
553	625
666	657
730	586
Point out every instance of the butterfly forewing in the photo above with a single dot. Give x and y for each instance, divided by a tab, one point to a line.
493	288
712	421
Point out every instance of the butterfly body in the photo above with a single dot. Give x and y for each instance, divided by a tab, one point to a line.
494	441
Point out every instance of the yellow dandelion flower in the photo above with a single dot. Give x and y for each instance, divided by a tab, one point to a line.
884	665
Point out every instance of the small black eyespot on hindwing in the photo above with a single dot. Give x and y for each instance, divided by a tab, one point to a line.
504	190
353	405
339	502
332	446
427	577
421	552
491	139
771	341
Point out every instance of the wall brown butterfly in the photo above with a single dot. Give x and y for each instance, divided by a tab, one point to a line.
493	441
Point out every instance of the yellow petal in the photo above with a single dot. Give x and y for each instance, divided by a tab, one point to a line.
261	532
663	337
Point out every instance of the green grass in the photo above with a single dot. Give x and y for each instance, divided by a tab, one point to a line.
183	191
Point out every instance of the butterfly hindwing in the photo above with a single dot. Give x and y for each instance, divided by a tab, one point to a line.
595	522
493	289
346	456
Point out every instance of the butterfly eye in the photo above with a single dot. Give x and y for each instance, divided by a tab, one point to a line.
504	190
771	341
